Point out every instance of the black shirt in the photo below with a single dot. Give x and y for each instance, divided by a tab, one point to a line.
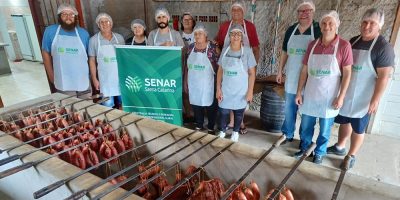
289	31
129	42
382	54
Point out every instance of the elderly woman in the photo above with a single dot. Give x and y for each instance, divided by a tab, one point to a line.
202	58
102	60
325	77
138	28
235	80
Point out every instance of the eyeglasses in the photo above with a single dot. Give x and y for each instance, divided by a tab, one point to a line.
235	34
305	11
66	14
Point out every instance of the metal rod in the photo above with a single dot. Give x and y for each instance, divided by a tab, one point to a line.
114	187
169	168
19	156
338	184
186	179
33	125
48	103
278	189
19	168
38	138
237	183
80	194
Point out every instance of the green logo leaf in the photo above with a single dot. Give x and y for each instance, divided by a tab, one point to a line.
133	84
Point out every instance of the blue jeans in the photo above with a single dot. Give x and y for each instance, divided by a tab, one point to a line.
289	124
211	115
307	133
224	118
113	101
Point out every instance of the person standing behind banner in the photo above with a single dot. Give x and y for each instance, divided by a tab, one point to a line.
235	81
372	69
164	35
138	28
297	38
202	63
325	77
249	39
187	26
64	48
102	52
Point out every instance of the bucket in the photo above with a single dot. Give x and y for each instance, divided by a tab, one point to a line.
272	111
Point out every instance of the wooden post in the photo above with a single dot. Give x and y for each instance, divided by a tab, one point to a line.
395	27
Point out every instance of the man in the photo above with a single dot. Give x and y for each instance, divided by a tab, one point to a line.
164	35
297	38
64	48
102	60
325	77
373	65
187	25
250	39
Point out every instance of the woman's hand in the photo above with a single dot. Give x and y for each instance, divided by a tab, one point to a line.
219	95
249	96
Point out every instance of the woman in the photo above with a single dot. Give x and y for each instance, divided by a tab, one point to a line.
138	28
235	81
103	62
187	28
202	58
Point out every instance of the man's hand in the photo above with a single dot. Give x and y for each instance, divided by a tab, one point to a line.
299	99
96	84
373	107
249	96
279	77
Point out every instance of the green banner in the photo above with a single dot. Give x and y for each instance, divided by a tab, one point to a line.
151	81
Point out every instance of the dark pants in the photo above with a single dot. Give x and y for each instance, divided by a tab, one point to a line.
224	118
211	115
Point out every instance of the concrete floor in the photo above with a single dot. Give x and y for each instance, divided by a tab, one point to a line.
378	159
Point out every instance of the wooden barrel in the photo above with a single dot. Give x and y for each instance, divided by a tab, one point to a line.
272	111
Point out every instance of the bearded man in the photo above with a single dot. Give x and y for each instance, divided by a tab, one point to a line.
164	35
64	51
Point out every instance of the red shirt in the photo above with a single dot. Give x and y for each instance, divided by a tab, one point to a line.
251	33
344	53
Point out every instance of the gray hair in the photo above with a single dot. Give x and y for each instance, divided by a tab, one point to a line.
370	13
309	3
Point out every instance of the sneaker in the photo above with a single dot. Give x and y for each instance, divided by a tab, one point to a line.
221	134
197	128
335	150
210	131
298	154
235	136
287	140
348	162
318	159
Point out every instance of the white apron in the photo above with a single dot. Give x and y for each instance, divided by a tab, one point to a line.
107	68
245	38
362	84
322	85
70	62
296	48
200	78
133	40
235	80
160	42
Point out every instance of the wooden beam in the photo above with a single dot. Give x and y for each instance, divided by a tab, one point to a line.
395	27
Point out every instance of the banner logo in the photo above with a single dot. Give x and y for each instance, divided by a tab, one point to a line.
133	84
62	50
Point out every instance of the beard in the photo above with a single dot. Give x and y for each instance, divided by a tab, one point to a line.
162	25
68	27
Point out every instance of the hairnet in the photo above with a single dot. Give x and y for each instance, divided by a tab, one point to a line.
103	15
200	27
240	4
376	15
65	7
162	11
138	22
333	14
310	3
236	27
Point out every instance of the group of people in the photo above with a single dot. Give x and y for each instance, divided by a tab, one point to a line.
333	80
327	77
